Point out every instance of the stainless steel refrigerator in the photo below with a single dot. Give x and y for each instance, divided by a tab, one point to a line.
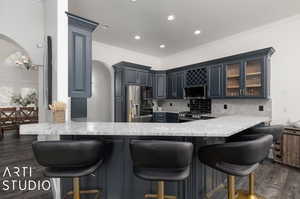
136	105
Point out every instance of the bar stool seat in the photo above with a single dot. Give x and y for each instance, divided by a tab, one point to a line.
237	159
70	159
161	161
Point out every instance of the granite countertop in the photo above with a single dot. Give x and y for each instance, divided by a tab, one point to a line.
222	126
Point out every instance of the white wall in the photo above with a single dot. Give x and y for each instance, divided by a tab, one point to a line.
284	36
23	22
99	105
15	81
110	55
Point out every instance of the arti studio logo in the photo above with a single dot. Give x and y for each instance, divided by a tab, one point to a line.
20	179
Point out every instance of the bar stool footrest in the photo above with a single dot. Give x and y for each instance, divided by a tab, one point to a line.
156	196
85	192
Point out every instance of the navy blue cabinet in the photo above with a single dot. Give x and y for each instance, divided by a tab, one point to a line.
215	81
80	56
131	76
247	78
143	78
160	85
165	117
120	112
136	76
159	117
175	85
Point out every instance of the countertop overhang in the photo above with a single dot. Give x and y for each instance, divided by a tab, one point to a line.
223	126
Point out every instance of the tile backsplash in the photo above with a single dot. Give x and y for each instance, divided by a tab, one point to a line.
171	105
259	107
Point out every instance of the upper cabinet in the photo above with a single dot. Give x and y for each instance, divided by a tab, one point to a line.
254	81
215	81
160	85
247	78
175	85
80	56
233	80
196	76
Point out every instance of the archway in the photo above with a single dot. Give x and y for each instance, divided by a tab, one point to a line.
15	81
99	105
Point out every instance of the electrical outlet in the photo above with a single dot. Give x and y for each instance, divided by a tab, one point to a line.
171	104
225	106
261	108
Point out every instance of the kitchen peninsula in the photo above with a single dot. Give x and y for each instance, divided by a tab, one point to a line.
116	178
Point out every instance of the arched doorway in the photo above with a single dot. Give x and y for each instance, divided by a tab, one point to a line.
99	106
15	80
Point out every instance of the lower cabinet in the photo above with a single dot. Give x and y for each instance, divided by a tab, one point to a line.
172	117
116	179
159	117
78	108
165	117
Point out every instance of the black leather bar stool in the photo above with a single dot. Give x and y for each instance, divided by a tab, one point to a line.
70	159
237	159
161	161
275	130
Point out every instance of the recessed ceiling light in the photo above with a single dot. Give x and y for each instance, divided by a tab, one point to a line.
133	0
137	37
162	46
197	32
171	17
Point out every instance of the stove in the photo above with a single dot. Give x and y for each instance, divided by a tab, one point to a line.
193	115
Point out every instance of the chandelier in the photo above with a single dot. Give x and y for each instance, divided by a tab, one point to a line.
26	63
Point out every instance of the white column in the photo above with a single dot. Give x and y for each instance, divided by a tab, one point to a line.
56	26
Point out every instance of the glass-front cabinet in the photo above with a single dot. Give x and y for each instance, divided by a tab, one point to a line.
253	78
245	78
233	79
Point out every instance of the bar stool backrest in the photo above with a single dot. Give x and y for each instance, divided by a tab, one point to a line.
161	154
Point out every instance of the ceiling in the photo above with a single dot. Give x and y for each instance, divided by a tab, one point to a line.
148	18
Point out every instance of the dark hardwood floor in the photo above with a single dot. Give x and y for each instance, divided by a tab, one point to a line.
16	152
274	181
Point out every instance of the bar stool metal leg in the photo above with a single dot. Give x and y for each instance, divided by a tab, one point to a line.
250	194
77	192
231	187
160	192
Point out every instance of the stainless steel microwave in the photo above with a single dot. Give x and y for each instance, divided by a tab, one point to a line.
196	92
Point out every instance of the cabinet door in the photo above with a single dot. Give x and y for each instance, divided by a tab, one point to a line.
119	109
80	62
179	82
253	78
233	83
143	78
215	81
78	108
150	79
161	86
131	76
